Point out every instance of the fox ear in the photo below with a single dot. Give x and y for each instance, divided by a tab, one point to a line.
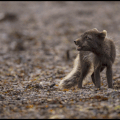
95	29
103	34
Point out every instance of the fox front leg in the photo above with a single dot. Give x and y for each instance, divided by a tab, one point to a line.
97	77
109	75
84	71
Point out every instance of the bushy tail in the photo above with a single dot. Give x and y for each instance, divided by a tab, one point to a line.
71	79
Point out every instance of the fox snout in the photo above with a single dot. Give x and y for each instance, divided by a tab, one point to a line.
75	42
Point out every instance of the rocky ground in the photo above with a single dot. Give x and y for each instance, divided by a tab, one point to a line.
37	51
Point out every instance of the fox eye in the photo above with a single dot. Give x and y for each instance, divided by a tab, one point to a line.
88	37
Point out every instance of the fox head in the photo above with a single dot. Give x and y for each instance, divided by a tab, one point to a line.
90	40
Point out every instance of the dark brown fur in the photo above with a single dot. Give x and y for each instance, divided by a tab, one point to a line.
97	50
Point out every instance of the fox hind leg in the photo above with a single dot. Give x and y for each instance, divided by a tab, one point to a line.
93	76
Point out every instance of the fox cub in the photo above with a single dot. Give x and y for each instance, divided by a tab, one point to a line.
95	51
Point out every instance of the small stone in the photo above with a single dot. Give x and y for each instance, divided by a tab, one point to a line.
113	116
2	97
18	98
52	85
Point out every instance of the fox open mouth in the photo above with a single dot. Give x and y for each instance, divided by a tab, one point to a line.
79	48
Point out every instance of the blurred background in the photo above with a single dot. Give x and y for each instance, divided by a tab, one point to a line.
45	31
51	27
54	25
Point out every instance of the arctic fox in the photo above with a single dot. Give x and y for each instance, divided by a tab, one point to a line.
96	52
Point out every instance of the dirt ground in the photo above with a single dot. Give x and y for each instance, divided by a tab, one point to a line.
37	51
